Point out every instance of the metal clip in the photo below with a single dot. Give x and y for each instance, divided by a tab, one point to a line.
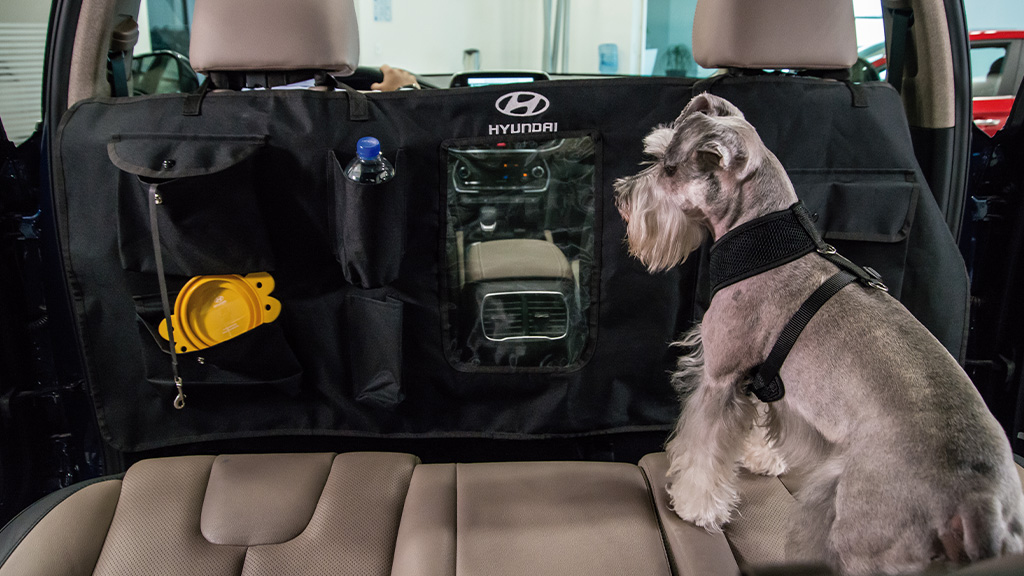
877	282
158	199
878	285
179	400
827	250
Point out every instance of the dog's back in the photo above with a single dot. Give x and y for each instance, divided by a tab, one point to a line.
917	467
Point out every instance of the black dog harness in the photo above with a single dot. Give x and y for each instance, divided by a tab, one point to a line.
769	242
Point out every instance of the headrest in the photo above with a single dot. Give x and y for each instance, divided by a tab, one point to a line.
274	35
775	34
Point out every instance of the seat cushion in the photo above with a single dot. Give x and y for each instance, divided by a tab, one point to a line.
558	518
254	499
269	514
515	258
367	513
63	533
693	550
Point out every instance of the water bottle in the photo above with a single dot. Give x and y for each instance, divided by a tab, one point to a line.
369	166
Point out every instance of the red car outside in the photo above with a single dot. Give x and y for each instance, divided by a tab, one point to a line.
997	59
997	65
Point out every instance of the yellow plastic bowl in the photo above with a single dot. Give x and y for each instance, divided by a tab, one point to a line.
212	309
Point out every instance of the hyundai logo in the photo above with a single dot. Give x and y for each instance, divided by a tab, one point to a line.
522	104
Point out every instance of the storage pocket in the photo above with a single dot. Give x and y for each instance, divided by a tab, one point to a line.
259	358
521	235
369	226
209	219
375	347
866	215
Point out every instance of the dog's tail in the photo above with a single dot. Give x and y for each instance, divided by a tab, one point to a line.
982	528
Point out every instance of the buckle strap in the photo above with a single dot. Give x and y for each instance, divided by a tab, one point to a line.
767	384
864	274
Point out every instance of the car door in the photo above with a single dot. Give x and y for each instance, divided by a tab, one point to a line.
47	429
993	247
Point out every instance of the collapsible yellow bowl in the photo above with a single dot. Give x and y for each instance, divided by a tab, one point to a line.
212	309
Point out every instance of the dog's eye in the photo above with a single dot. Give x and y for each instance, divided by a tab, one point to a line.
670	170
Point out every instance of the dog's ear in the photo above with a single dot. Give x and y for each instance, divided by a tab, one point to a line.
657	141
730	144
709	105
712	154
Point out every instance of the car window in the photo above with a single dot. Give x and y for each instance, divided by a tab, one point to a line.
635	37
22	47
987	65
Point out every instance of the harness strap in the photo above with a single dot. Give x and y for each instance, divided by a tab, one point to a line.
864	274
767	385
768	242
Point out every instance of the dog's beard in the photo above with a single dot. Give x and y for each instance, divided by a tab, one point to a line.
659	232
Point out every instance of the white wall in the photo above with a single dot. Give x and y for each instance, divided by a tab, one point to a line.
595	22
429	37
33	11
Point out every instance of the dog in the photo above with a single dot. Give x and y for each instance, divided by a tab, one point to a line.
904	464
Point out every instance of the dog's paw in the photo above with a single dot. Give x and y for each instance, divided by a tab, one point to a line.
709	509
760	458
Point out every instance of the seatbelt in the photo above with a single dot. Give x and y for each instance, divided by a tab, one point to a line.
902	20
122	43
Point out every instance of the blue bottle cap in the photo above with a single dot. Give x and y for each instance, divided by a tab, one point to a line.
368	148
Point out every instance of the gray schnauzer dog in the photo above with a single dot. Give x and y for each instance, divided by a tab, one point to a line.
903	462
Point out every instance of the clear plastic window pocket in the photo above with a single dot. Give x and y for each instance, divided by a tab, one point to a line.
519	251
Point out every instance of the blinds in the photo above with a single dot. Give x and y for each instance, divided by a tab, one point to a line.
22	50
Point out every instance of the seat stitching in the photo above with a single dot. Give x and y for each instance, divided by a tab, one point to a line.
401	511
455	540
657	518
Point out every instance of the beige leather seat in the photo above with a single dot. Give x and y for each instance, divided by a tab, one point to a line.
366	513
232	514
515	258
363	514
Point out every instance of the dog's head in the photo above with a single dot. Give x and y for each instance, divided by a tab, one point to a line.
700	164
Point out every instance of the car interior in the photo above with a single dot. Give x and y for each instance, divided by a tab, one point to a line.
460	370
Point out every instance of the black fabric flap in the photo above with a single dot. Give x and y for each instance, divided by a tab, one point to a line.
622	387
870	206
169	156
